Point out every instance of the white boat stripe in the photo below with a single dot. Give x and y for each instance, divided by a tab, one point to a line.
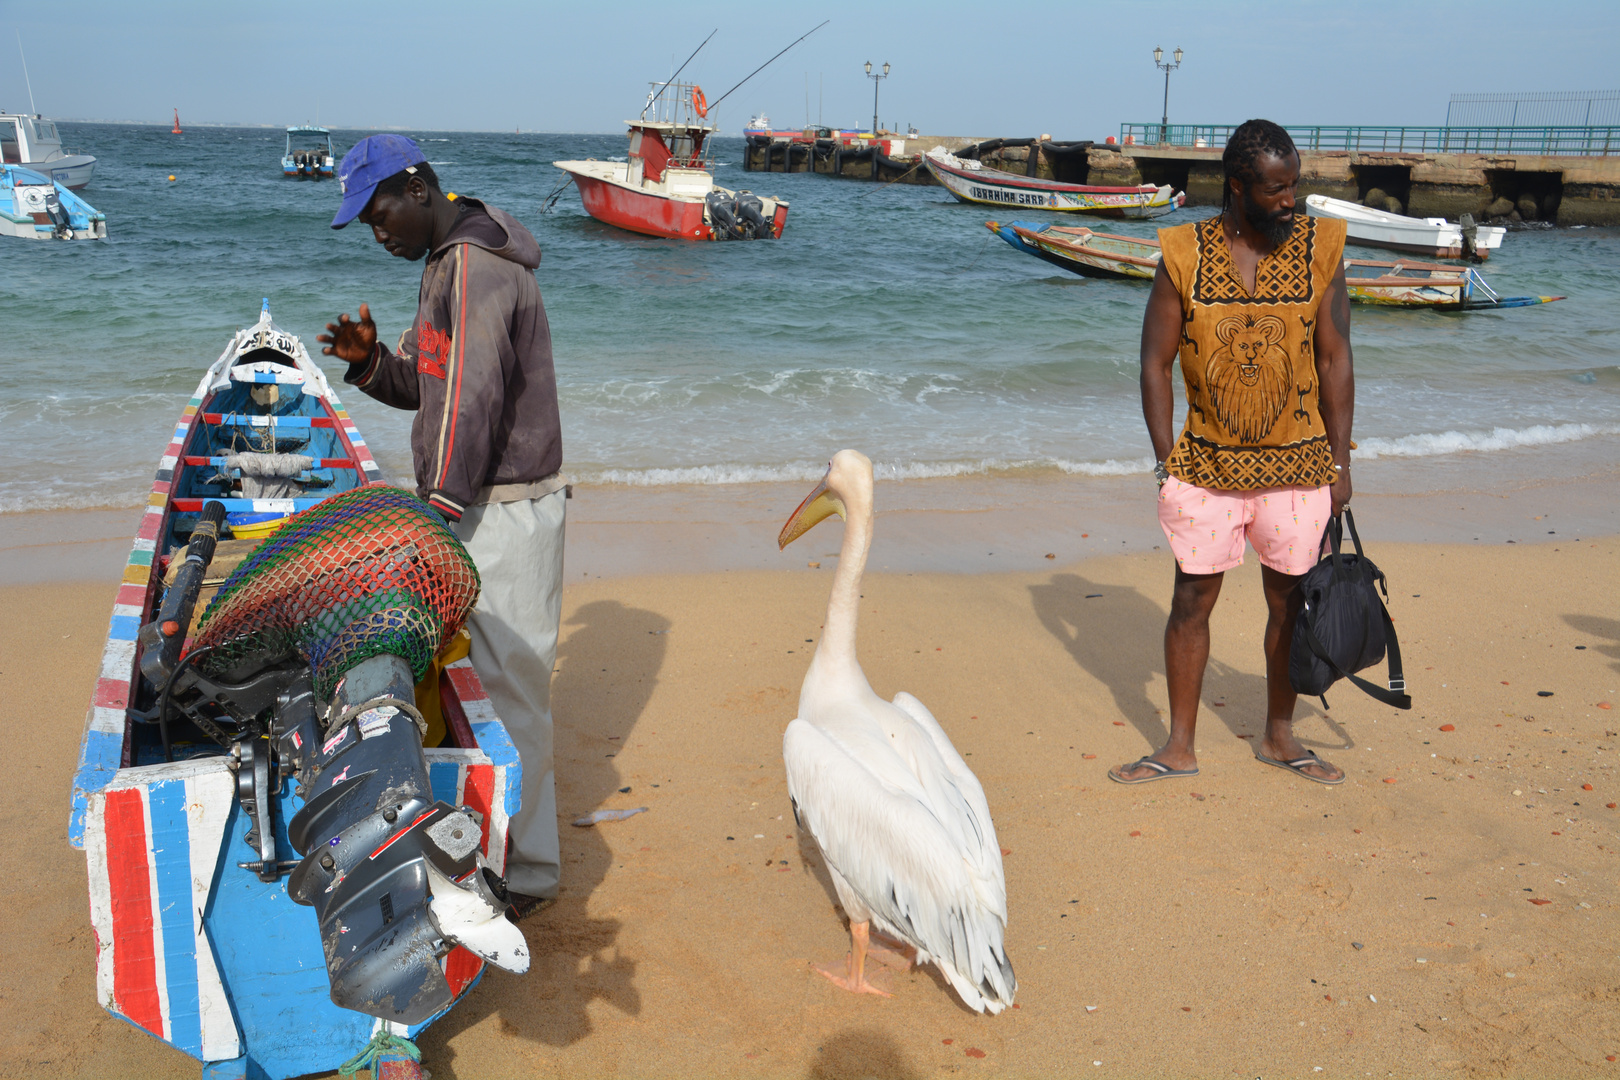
145	545
95	853
160	962
126	610
118	660
209	799
107	721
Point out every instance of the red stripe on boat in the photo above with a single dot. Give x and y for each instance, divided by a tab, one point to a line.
135	991
388	843
479	793
111	693
465	680
460	968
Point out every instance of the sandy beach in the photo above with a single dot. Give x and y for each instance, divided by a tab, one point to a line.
1450	910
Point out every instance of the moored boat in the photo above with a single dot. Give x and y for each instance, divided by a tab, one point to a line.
1389	284
666	186
282	732
37	208
34	143
316	161
971	182
1435	237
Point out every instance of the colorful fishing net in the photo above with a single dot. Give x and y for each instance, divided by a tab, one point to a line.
364	573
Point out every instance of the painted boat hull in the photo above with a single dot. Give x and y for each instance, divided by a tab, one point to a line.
990	187
1099	255
672	215
72	172
192	948
25	210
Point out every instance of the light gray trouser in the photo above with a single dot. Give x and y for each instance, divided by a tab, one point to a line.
518	549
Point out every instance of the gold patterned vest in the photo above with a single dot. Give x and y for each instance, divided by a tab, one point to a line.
1249	361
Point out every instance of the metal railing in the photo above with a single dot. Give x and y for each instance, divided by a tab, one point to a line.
1548	141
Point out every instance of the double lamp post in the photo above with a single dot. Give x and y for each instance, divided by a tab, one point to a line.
1167	68
875	82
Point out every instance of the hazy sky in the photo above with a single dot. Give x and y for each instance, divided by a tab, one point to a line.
1075	70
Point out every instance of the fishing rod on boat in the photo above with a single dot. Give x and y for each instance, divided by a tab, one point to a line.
716	103
653	95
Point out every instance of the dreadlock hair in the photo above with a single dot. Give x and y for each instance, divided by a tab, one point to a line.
395	185
1243	150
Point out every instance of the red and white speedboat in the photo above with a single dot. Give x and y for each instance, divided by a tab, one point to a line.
665	187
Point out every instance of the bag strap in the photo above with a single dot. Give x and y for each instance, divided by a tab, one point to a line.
1396	696
1355	539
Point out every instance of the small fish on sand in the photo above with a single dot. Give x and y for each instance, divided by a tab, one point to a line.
596	817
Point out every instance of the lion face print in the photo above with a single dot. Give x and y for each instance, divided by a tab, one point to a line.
1248	378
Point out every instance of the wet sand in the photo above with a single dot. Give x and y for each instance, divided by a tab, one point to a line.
1212	923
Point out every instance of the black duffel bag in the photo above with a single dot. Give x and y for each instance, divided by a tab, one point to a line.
1343	626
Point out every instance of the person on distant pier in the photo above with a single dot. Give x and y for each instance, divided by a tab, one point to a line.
476	368
1254	304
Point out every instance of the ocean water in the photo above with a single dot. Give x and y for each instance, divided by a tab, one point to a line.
887	318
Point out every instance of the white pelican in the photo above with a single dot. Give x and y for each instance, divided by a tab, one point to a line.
899	817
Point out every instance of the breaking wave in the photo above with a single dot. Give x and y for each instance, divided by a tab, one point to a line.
1456	442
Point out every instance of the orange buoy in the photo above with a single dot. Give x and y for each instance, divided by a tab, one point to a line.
700	104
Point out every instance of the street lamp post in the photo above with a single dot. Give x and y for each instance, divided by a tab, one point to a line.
1158	60
875	79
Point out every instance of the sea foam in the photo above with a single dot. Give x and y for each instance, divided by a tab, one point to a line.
1455	442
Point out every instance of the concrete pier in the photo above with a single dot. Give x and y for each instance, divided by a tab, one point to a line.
1491	187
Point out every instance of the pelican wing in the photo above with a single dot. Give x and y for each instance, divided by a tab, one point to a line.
876	825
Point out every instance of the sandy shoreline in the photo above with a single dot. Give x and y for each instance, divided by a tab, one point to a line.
1210	922
970	524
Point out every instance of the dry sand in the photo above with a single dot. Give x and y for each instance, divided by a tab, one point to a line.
1211	922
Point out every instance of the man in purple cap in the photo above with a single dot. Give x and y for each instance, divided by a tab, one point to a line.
476	368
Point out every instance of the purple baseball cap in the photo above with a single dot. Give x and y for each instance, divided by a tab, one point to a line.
368	163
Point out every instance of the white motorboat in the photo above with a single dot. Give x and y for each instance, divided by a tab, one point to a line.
33	143
36	208
1421	236
973	182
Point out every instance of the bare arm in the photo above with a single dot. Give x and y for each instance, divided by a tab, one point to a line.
1161	334
1335	372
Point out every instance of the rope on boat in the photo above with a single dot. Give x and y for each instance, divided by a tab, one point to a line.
551	200
383	1042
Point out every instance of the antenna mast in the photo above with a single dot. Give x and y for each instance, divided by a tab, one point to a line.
26	79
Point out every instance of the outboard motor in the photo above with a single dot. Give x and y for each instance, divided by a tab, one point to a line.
721	217
61	224
751	211
305	666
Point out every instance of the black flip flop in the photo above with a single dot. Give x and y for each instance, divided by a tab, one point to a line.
1161	771
1298	766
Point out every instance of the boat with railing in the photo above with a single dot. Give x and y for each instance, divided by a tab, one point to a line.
34	143
665	186
313	162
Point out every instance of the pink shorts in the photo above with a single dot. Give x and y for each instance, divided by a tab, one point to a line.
1206	527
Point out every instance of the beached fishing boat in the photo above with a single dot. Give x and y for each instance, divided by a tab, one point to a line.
280	876
37	208
666	186
33	143
315	161
1435	237
971	182
1391	284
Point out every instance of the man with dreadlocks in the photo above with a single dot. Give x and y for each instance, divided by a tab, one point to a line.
1265	451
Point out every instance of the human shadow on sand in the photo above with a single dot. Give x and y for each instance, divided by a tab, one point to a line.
1599	627
1118	636
607	667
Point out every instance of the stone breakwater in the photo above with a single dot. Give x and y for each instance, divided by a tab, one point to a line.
1491	187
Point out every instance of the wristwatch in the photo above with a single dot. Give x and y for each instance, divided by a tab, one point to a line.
1160	473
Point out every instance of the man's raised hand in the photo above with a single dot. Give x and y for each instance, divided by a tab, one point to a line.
349	341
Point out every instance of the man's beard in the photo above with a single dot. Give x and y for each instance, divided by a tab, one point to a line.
1275	227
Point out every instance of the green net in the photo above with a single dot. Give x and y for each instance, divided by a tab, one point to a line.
364	573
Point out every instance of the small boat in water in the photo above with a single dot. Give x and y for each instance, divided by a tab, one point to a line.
1390	284
315	161
1427	285
971	182
1082	250
1435	237
666	186
35	207
33	143
280	875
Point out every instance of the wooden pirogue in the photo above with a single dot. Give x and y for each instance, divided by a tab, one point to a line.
1404	284
192	807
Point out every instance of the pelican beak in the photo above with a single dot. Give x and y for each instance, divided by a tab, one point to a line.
819	505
